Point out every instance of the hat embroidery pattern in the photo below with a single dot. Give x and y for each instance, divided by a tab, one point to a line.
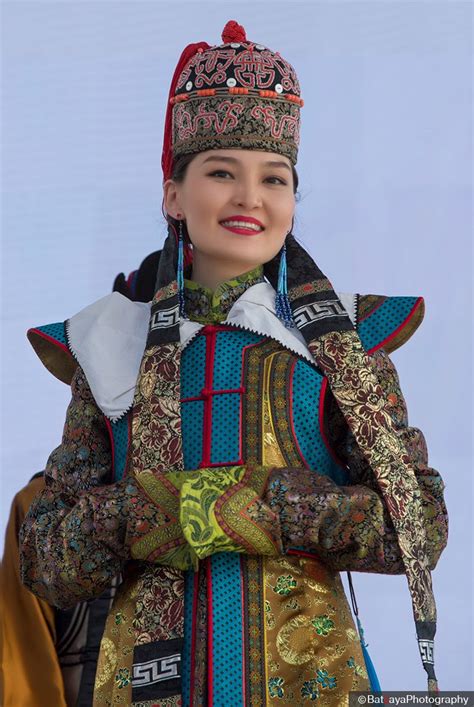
236	95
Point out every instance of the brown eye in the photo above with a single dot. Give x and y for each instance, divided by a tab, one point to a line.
279	180
219	172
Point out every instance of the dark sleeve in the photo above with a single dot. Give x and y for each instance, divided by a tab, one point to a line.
82	528
349	526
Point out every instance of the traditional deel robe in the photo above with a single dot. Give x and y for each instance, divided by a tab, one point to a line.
274	501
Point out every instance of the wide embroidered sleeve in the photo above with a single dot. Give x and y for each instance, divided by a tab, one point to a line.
350	526
82	528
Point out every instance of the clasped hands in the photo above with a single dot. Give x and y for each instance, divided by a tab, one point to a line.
214	509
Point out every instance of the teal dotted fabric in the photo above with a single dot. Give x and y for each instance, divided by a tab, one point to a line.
307	384
192	420
228	357
384	320
227	610
193	367
120	432
56	331
226	428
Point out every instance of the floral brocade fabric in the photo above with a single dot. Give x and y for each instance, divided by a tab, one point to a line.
356	387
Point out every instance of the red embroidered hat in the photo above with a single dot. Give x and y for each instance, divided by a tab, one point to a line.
238	94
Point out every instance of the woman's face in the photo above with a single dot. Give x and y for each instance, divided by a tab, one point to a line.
225	186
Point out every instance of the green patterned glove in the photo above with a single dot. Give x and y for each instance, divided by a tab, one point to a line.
222	511
160	538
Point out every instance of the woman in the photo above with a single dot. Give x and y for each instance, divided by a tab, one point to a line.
234	447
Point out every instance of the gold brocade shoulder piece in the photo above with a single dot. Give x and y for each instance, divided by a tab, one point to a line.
55	357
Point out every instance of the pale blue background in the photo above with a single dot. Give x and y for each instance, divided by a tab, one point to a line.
386	208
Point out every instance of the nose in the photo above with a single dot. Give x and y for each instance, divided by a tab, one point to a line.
247	194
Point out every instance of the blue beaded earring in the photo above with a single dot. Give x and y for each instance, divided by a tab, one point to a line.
282	302
180	271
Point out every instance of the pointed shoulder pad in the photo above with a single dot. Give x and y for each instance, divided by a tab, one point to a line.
50	343
388	322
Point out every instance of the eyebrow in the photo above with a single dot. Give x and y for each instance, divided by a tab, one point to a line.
234	160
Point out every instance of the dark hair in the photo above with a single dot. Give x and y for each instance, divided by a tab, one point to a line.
179	173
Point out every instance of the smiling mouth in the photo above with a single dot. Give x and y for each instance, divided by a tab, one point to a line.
243	227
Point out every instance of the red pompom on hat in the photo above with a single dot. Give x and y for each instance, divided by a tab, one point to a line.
233	32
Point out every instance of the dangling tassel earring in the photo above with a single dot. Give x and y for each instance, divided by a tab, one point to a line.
282	302
180	271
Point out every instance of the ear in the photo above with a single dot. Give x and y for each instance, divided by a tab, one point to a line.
171	198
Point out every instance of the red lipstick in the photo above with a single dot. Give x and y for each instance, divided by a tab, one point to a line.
241	229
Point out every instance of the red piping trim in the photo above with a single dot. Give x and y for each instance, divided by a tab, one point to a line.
290	406
241	424
205	392
322	396
208	379
193	637
238	462
210	634
303	553
50	338
398	329
211	328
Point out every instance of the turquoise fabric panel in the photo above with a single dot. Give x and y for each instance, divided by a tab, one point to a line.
192	420
193	366
228	357
56	331
384	320
120	432
226	433
227	620
307	384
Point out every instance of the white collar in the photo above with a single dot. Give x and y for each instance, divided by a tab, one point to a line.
108	339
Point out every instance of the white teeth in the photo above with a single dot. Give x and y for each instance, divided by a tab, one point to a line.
242	224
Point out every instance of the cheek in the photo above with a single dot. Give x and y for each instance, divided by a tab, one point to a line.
286	208
204	210
281	207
